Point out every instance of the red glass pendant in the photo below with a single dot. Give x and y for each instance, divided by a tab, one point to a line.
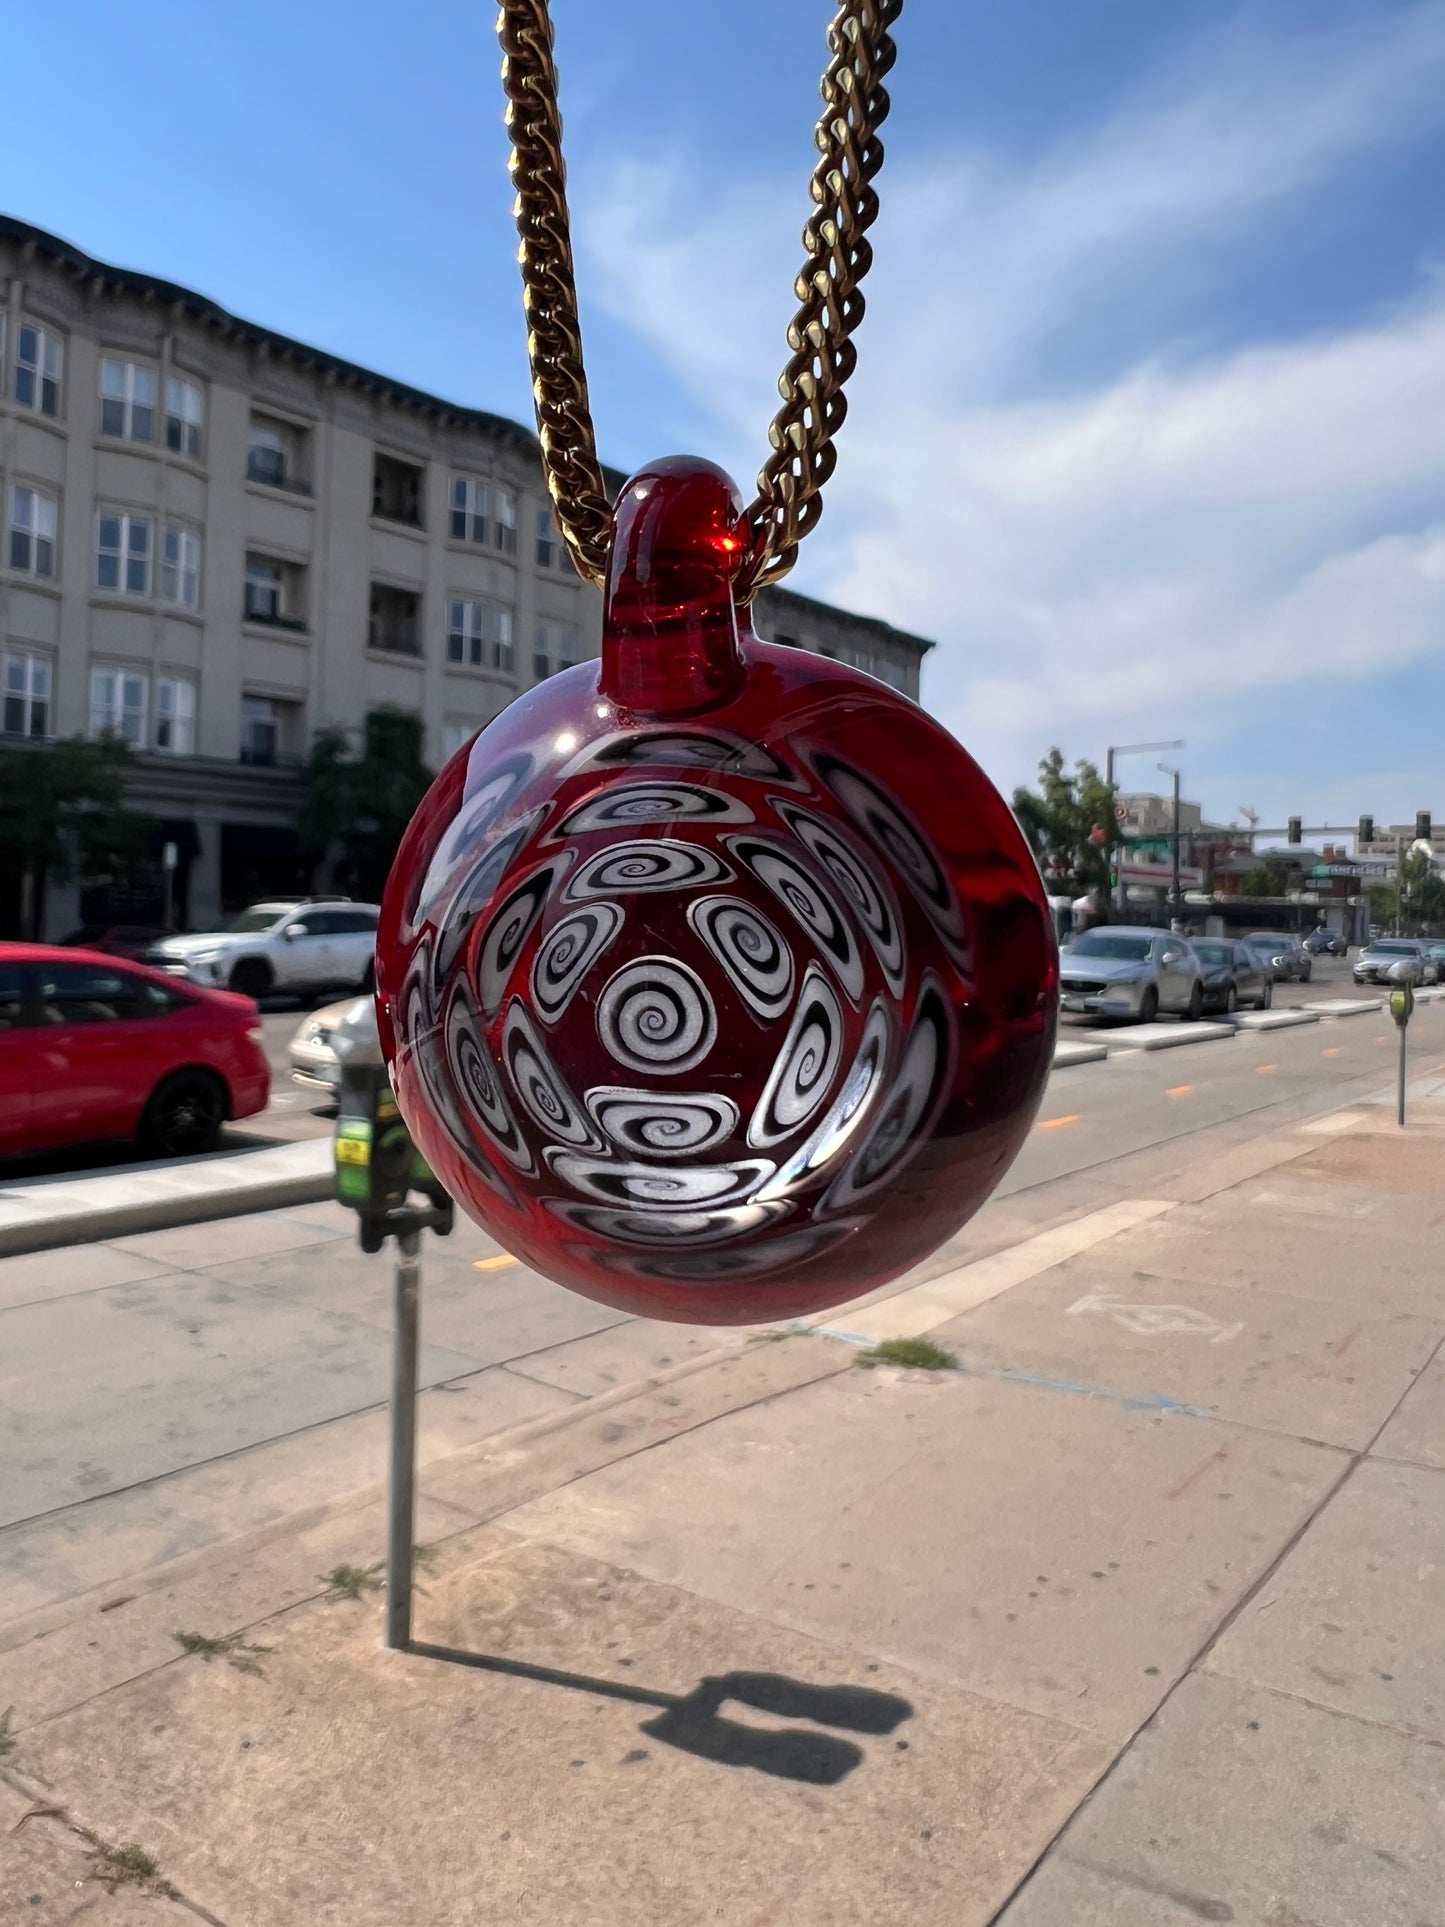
716	981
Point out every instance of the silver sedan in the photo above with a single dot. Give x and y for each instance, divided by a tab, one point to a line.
1132	973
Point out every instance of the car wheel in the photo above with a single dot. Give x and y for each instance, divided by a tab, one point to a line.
1196	1003
1231	1001
184	1116
1305	973
252	977
1266	997
1148	1006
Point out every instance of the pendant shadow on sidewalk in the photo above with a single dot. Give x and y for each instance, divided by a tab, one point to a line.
693	1722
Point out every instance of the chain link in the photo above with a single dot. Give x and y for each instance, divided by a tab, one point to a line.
788	503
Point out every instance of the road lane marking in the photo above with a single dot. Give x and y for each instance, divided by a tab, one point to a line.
1180	1090
1334	1051
1265	1070
499	1263
1056	1123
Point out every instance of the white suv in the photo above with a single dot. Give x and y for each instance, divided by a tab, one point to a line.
292	945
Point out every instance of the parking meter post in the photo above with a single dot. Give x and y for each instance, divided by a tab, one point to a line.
1400	1117
1402	1005
401	1481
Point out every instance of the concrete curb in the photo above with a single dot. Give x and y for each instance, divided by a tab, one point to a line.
1347	1006
1168	1036
132	1198
1078	1054
1273	1019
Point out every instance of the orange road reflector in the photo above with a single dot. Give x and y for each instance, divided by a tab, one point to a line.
499	1263
1180	1090
1056	1123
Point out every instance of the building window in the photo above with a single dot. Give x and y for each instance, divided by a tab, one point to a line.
547	542
506	507
276	454
180	566
260	730
38	362
555	647
395	620
479	634
456	736
27	693
275	591
118	704
185	417
123	553
396	491
469	509
32	531
128	400
175	715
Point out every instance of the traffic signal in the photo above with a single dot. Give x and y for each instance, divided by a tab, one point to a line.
1295	829
1422	826
1366	831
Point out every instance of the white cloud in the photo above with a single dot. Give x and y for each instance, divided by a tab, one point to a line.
1099	554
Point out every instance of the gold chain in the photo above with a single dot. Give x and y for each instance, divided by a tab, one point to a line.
788	504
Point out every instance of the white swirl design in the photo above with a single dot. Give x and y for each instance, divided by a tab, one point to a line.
807	901
655	1015
867	892
479	1086
906	1116
567	953
630	869
845	1117
644	1187
660	1124
473	894
714	749
476	816
508	931
903	842
750	950
623	805
663	1228
806	1066
541	1086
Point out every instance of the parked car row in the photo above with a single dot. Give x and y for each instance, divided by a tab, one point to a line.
1412	960
1130	972
294	945
94	1047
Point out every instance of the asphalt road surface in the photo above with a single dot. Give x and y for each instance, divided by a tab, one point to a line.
182	1385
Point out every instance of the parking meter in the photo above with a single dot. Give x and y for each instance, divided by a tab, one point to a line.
378	1168
1402	1005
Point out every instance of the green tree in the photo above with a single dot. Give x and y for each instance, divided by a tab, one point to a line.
358	806
1275	877
63	817
1416	895
1069	822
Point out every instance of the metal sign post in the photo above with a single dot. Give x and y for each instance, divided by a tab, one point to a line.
378	1173
1402	1005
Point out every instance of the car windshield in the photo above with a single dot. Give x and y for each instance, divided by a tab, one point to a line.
1104	943
250	921
1396	949
1216	953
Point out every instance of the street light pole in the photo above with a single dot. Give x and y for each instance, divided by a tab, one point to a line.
1131	749
1165	770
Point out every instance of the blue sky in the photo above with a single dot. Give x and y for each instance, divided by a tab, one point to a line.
1149	427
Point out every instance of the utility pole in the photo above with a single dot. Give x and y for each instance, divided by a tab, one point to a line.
1165	770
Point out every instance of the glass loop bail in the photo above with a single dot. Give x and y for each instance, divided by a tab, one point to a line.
670	628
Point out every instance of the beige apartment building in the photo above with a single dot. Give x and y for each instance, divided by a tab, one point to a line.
218	542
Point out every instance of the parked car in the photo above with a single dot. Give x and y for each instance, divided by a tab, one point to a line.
133	940
1288	957
1437	953
1234	975
297	945
1326	943
92	1047
1379	957
1121	970
313	1061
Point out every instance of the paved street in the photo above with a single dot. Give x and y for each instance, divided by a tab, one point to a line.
1132	1618
190	1383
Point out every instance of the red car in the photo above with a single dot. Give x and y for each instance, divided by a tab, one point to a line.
92	1047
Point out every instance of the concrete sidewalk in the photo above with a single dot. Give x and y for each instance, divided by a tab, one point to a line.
1131	1618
